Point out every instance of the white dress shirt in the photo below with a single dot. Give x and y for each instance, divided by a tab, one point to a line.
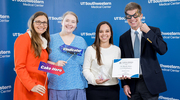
133	39
133	36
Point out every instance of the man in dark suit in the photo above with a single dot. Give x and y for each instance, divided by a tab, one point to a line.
151	81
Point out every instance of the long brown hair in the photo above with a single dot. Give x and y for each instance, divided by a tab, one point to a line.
36	42
96	44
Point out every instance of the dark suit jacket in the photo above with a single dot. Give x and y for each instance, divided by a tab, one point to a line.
151	44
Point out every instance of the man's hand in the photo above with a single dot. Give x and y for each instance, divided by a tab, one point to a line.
127	90
144	27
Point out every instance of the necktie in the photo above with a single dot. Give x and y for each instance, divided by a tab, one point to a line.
136	46
137	49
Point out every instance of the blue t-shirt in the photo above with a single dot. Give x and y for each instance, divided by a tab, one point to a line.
73	77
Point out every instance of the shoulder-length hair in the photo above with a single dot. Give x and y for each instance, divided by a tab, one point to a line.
36	42
72	13
96	44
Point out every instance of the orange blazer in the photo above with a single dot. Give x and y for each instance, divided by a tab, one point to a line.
26	67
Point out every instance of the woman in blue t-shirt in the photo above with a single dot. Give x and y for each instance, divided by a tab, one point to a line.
70	85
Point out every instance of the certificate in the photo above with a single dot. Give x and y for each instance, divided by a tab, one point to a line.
126	66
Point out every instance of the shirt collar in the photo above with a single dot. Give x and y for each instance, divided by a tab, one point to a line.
44	41
138	30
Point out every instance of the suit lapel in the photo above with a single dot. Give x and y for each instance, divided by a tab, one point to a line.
129	43
143	41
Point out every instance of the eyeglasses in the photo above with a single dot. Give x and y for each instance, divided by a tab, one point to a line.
39	23
137	14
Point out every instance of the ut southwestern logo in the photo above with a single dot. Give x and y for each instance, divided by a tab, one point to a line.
5	89
5	54
170	35
124	19
58	19
92	35
170	68
31	3
4	18
17	34
98	5
165	2
166	98
119	18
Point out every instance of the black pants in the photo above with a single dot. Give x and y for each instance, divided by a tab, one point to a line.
142	93
102	92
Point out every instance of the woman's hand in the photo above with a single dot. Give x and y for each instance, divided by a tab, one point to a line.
100	81
39	89
60	63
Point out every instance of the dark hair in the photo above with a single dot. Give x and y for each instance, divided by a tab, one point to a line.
132	6
96	44
35	39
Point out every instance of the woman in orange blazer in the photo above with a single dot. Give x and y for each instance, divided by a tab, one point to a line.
29	49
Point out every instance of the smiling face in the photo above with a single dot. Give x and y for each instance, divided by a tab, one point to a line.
40	24
104	33
69	23
134	22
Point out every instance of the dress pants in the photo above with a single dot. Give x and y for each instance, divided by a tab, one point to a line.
141	91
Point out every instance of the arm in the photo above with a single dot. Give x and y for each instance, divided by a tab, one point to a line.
21	50
87	67
84	49
21	47
58	63
124	84
154	37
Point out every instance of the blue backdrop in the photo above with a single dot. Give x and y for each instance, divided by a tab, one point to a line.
164	14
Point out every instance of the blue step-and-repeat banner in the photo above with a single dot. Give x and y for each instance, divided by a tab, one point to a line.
164	14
